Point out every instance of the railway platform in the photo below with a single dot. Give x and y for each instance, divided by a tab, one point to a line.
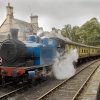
94	87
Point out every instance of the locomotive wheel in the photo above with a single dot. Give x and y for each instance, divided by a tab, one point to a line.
15	82
30	81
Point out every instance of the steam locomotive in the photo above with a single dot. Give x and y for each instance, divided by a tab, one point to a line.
25	61
22	61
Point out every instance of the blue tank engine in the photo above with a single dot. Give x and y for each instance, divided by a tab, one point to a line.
42	52
21	59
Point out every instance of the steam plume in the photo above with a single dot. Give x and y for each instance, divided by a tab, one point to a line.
41	34
63	67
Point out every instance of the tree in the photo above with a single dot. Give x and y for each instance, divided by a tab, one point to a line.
73	34
89	32
66	31
70	32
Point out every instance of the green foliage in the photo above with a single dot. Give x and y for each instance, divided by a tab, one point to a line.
73	34
89	33
70	32
66	31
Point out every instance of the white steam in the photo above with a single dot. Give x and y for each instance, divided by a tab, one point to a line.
63	67
41	34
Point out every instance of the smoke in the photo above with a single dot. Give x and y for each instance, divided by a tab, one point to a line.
63	67
41	34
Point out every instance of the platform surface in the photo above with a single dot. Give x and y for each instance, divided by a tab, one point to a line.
91	91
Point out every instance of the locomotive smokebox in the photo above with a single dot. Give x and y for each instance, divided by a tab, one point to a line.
13	51
14	33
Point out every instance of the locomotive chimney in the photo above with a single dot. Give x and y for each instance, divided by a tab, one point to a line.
14	33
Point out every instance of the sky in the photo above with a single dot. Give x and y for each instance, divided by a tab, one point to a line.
53	13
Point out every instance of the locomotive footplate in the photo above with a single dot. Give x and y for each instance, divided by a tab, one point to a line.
38	66
18	71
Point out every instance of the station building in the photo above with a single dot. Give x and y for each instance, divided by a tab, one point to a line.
25	28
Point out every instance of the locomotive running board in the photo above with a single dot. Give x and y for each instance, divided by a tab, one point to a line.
38	66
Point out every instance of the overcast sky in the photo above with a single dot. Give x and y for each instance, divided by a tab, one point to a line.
53	13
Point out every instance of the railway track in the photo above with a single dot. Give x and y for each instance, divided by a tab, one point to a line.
70	88
7	94
6	84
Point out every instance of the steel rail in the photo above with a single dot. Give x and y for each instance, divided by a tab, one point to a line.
14	91
6	84
53	89
83	85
